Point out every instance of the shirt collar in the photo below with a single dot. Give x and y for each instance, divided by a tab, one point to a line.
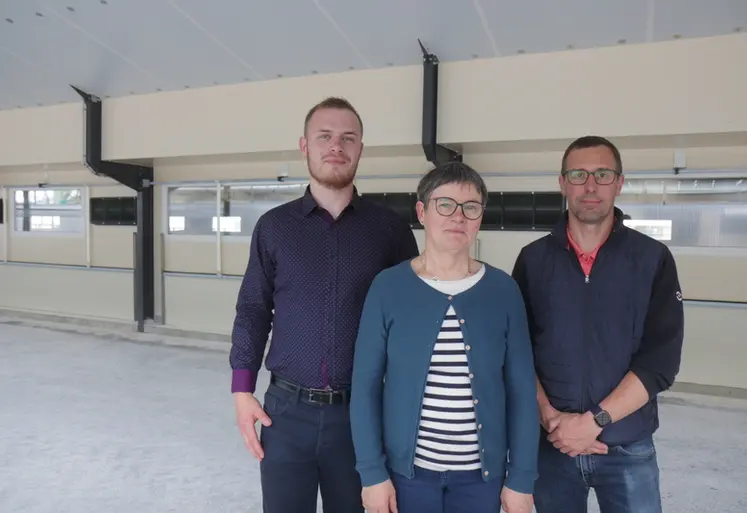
308	203
580	252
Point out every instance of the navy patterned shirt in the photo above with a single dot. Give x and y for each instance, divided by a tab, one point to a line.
306	280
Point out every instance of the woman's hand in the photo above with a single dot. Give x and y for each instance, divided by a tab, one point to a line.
515	502
380	498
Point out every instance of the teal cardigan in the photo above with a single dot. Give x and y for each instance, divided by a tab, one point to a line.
401	318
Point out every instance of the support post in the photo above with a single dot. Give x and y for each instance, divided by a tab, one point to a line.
434	152
140	179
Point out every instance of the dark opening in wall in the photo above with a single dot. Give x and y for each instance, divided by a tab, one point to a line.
510	211
119	211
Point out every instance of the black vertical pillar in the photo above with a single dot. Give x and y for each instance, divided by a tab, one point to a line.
147	253
140	179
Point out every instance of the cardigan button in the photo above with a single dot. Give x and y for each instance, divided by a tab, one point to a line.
450	298
461	321
486	472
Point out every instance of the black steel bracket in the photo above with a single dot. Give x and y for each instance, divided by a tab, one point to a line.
434	152
131	175
140	179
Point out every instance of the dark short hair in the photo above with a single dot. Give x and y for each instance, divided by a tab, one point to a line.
332	102
592	141
450	172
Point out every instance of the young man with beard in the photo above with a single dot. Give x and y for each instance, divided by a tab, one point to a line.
311	262
606	321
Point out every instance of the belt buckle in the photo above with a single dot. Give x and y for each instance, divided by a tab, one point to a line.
323	395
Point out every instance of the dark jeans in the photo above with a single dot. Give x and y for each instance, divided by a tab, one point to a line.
308	449
447	492
625	480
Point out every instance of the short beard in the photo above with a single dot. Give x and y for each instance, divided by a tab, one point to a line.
337	181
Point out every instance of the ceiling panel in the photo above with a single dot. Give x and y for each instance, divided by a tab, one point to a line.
14	93
386	31
61	53
154	42
698	18
277	37
121	47
549	25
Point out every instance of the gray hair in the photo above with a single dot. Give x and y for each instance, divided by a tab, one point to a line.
450	172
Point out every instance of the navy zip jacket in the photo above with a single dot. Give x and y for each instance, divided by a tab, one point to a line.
588	332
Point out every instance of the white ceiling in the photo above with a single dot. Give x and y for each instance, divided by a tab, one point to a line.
121	47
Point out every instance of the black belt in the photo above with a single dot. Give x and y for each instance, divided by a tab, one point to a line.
312	395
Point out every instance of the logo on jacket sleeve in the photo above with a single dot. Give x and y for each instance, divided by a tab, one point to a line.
678	294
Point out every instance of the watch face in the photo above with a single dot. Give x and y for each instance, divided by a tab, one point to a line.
603	418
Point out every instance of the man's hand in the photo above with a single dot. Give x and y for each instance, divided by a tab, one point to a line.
515	502
380	498
549	417
575	433
248	412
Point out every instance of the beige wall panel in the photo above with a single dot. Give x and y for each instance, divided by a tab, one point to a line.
112	246
246	168
500	249
111	191
47	248
190	254
235	255
42	135
712	274
72	292
201	304
635	159
715	351
52	174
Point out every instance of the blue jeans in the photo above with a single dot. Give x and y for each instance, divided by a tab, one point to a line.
447	492
625	480
308	450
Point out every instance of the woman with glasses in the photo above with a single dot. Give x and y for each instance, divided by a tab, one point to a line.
444	401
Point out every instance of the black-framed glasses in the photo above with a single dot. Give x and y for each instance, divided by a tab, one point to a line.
447	206
601	176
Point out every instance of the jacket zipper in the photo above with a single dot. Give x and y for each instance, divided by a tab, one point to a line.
585	335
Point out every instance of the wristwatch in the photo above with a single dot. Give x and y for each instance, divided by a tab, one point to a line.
601	417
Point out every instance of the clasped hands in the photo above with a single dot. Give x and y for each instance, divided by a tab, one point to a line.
382	498
572	433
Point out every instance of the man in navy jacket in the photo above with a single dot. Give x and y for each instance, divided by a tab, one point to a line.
606	320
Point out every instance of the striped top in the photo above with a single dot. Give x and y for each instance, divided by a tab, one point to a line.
447	435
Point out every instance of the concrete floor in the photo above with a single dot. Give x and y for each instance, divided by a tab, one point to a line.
91	422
